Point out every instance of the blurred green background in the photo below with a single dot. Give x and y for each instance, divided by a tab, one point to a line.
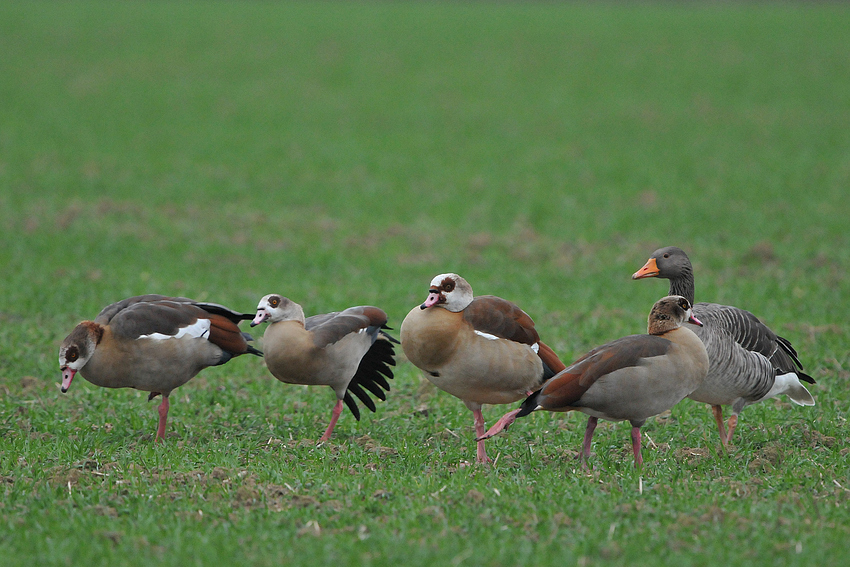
344	153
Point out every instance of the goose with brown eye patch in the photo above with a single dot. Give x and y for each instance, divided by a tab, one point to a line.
349	351
748	362
629	379
152	343
482	350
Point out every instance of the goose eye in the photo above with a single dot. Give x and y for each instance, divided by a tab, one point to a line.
667	255
71	356
449	286
274	302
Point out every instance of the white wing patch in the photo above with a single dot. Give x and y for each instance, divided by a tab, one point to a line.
199	329
487	335
535	347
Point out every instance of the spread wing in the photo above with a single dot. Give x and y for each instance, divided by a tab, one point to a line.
331	327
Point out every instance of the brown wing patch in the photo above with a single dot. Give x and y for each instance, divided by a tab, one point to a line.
561	392
376	316
622	353
500	317
549	358
568	387
226	335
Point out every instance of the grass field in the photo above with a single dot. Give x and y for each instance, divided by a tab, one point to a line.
344	154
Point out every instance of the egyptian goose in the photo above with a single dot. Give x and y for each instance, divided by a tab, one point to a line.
152	343
749	363
629	379
347	351
483	350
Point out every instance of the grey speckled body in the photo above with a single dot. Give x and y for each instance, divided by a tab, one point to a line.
736	376
748	362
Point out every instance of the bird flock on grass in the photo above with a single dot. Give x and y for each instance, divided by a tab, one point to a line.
480	349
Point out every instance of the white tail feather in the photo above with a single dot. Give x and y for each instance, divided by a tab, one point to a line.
790	385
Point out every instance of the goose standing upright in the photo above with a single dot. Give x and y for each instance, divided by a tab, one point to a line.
748	362
629	379
153	343
346	350
483	350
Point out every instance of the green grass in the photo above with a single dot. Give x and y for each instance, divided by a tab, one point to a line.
344	154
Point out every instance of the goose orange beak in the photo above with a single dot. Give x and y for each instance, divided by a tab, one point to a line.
649	270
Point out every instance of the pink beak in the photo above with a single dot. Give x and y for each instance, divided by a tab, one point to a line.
433	299
67	377
695	321
261	317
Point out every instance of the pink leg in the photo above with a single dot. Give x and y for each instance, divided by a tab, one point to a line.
480	431
163	417
733	423
588	436
636	447
504	422
718	417
337	411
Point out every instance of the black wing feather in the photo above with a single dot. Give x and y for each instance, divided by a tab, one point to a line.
372	373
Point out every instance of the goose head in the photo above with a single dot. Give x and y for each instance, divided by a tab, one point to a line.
449	291
273	308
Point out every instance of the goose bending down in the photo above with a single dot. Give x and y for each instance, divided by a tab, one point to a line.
152	343
629	379
347	350
483	350
748	362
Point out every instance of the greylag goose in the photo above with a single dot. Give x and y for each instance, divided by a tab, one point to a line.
483	350
629	379
152	343
346	350
749	363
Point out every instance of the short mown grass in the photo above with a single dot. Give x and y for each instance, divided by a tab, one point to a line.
344	154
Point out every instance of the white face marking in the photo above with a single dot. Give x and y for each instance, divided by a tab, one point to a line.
199	329
438	280
75	366
455	300
285	310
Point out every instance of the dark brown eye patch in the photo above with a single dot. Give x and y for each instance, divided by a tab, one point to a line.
71	354
274	301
